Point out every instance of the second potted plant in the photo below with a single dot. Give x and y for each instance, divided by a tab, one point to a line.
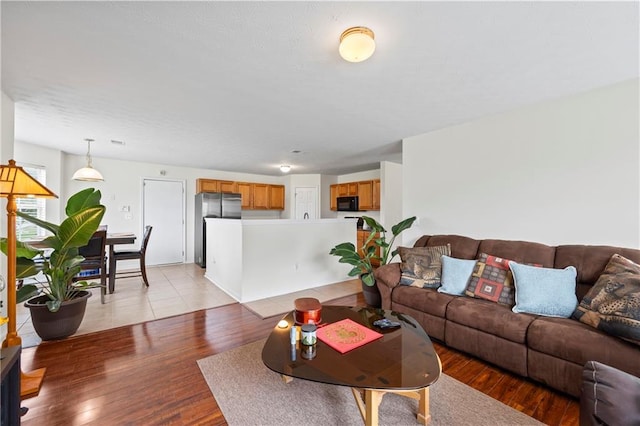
58	303
362	267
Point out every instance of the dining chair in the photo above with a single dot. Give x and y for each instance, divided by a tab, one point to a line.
131	255
94	264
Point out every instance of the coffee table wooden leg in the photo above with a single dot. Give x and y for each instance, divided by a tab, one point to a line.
372	400
424	416
286	379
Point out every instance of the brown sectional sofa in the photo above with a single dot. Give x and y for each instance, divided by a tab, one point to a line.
550	350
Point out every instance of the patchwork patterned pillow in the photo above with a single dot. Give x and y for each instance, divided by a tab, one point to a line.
421	266
613	303
492	280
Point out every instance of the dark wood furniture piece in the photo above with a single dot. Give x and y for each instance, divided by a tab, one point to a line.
95	261
403	361
10	388
112	241
114	256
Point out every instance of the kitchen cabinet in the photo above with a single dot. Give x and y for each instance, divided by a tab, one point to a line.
365	195
367	191
246	191
376	194
206	185
276	197
333	200
255	196
260	196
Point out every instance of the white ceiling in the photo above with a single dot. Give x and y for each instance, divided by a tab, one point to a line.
238	85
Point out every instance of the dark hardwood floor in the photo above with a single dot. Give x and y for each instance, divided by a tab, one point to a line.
147	373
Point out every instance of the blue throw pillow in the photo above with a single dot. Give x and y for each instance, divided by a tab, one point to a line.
545	291
455	275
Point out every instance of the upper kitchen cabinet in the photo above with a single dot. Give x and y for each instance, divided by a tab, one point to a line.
246	191
367	191
255	196
276	197
214	185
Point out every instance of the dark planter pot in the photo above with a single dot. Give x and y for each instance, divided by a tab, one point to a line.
371	295
57	325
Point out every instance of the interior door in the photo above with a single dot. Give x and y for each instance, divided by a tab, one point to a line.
306	203
163	205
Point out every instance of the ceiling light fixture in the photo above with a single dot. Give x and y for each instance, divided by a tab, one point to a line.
356	44
285	168
88	173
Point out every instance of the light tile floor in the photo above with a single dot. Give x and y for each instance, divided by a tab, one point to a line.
173	290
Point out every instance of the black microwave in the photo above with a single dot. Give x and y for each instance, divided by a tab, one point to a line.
347	204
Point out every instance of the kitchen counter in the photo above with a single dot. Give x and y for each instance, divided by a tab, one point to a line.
260	258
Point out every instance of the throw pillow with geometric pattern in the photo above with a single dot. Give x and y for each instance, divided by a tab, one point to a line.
492	280
422	266
613	303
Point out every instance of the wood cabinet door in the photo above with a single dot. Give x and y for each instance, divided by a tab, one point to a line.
260	196
343	190
245	190
352	189
276	197
206	185
333	194
227	186
365	195
376	194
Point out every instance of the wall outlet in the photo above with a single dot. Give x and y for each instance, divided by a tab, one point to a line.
125	208
128	216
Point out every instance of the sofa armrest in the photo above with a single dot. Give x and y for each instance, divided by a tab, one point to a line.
387	277
609	396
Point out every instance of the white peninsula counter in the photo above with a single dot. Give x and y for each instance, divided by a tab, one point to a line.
255	259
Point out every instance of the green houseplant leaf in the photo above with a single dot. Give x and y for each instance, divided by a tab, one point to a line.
348	253
84	214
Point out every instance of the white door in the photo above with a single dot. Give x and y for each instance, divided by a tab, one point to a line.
163	206
306	203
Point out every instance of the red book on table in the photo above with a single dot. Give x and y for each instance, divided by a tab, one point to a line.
346	335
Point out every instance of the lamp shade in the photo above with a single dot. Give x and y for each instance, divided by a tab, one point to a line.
88	174
15	181
357	44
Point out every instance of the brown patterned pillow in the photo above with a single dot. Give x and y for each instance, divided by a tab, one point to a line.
421	266
492	280
613	303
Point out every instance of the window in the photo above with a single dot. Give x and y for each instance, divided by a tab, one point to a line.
32	206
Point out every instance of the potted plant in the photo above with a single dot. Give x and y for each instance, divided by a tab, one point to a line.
57	303
362	266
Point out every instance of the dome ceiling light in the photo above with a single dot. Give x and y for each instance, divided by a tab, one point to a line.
356	44
88	173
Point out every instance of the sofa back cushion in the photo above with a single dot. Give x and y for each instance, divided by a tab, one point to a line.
461	247
590	262
520	251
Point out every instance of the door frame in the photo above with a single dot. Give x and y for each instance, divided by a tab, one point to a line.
184	210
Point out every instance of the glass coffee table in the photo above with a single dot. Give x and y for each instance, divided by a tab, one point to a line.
402	361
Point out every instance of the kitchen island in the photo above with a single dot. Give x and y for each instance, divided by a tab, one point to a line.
256	259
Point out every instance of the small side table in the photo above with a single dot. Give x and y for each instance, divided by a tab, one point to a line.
10	388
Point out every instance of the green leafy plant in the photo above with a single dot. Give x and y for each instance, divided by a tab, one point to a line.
362	265
84	213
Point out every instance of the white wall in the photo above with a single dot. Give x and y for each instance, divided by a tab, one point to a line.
6	153
390	194
559	172
325	196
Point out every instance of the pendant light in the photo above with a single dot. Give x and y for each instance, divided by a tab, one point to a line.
88	173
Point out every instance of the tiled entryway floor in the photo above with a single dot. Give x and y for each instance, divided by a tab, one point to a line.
173	290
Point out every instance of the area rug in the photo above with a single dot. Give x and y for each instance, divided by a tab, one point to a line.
248	393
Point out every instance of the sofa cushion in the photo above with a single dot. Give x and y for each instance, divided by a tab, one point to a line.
461	247
520	251
423	299
578	343
421	266
613	303
489	317
455	275
545	291
492	280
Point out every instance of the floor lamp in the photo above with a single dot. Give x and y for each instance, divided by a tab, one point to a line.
16	183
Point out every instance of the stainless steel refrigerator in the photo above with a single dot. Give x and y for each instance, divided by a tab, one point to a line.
212	204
